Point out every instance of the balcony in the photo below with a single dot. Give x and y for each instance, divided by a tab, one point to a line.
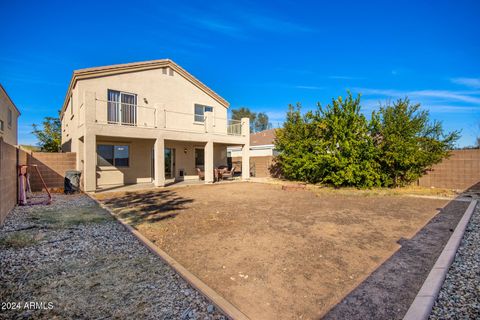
125	114
132	115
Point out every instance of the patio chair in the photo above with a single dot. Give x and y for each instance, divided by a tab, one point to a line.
228	174
201	174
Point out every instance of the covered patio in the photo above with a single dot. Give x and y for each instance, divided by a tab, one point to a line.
132	163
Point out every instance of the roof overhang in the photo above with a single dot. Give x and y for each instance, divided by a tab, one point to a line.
97	72
9	99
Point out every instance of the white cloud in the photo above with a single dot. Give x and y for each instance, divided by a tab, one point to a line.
463	96
309	87
469	82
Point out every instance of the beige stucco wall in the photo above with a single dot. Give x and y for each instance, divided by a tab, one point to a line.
185	155
165	112
140	167
140	164
9	133
155	90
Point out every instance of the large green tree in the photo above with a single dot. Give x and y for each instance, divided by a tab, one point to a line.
407	142
337	145
50	135
331	145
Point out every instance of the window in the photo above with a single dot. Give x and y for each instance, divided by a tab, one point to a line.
112	155
1	125
71	105
200	112
122	108
199	157
9	119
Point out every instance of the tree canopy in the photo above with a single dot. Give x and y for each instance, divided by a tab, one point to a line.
337	145
258	121
50	135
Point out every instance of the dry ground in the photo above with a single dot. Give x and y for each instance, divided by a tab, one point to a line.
275	254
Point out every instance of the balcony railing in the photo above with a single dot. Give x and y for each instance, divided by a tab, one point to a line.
132	115
234	127
126	114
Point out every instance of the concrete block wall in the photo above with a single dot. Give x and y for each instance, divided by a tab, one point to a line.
52	167
8	179
460	171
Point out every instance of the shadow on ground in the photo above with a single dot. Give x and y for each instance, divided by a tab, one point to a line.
150	207
389	291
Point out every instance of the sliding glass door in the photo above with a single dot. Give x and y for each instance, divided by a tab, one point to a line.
122	108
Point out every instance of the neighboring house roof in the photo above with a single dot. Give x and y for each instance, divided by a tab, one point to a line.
135	67
261	138
10	99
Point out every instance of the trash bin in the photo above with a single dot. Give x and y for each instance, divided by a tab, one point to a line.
72	182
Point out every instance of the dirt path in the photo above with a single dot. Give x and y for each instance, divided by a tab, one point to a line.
275	254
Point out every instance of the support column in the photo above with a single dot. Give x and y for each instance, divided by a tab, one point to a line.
159	158
89	162
209	162
246	149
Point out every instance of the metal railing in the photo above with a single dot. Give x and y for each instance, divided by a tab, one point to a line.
234	127
125	114
133	115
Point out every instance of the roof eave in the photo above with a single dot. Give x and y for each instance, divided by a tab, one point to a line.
89	73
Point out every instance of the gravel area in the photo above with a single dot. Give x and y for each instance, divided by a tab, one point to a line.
459	297
72	260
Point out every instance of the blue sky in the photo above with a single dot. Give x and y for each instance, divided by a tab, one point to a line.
262	55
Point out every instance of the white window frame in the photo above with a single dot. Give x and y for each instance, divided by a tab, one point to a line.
204	109
114	145
119	105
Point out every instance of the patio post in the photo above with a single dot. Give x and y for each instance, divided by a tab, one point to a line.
246	149
89	162
159	165
209	162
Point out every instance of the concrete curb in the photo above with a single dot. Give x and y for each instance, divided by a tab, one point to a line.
421	307
221	303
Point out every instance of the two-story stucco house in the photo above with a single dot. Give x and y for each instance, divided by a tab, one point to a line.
8	118
147	122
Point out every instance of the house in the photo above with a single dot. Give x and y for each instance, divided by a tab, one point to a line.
147	122
9	114
262	151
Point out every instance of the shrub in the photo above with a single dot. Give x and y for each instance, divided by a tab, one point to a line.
407	142
337	145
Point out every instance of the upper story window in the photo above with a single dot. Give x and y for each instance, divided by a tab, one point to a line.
122	108
200	112
71	105
1	125
9	117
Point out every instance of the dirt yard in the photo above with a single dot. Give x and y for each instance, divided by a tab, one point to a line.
275	254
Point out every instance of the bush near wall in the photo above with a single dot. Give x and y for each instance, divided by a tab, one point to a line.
337	145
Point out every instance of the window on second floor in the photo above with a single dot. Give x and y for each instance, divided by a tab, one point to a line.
10	117
122	108
200	112
1	125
